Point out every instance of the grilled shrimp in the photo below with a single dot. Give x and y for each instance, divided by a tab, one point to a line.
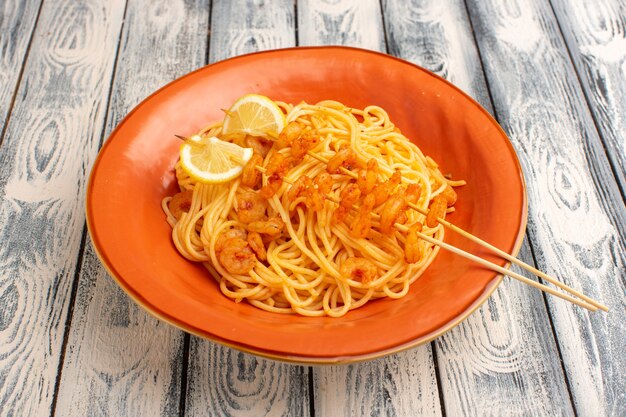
385	189
234	232
345	158
272	227
180	203
362	223
450	195
358	269
392	211
412	252
437	209
299	187
349	195
324	182
259	145
313	190
237	256
250	176
413	192
291	132
368	177
316	195
250	206
275	171
256	243
301	145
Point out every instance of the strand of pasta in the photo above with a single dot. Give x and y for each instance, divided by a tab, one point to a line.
289	263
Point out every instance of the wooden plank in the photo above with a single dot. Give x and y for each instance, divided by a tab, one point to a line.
240	27
576	217
120	360
594	32
402	384
226	382
503	359
51	139
350	23
16	26
231	382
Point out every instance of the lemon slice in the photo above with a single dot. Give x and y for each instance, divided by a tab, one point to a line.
211	160
254	114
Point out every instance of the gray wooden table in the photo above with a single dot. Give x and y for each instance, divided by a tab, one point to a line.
553	73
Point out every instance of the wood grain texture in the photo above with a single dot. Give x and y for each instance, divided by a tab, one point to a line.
503	359
51	140
243	26
223	381
401	384
436	35
16	26
120	360
350	23
574	227
596	36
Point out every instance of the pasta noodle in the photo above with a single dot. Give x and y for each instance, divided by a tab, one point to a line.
317	263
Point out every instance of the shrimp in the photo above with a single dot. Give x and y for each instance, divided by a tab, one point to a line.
315	195
393	209
250	176
385	189
256	243
258	144
349	195
358	269
291	132
180	203
413	192
234	232
412	252
368	177
250	207
345	158
301	145
272	227
450	195
275	171
300	186
324	182
237	256
437	210
362	223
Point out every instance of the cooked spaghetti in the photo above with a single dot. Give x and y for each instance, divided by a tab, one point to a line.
318	223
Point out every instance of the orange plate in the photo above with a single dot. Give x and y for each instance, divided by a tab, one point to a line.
134	171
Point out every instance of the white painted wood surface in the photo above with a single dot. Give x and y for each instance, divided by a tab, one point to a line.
16	28
50	141
596	36
120	360
514	369
550	71
350	23
574	226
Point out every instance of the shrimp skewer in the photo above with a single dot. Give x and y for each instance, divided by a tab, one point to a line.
418	234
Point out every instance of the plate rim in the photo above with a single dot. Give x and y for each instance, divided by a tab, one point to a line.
291	358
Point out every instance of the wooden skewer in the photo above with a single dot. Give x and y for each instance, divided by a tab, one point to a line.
489	246
472	257
588	303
